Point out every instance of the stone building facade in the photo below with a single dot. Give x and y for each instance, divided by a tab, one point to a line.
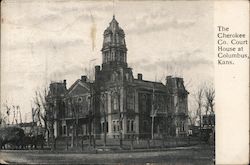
117	103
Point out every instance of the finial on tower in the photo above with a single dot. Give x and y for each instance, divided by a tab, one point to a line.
113	9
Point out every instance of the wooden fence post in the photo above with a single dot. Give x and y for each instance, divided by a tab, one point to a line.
82	143
132	144
93	141
148	143
55	143
67	144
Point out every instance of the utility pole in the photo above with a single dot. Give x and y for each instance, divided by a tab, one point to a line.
103	102
19	113
153	113
117	93
14	115
200	124
91	115
120	117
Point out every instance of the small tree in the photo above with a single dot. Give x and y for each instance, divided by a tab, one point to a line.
209	99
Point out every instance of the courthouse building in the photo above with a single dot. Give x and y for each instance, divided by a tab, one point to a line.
116	103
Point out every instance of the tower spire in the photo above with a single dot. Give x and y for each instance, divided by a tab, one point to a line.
113	8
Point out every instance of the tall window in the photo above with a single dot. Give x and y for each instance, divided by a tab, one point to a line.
64	130
132	125
143	103
161	104
130	99
145	125
84	129
182	126
69	109
114	126
85	105
124	57
107	127
128	124
105	57
115	103
118	125
103	126
130	102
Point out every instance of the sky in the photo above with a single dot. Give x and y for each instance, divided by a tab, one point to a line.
44	41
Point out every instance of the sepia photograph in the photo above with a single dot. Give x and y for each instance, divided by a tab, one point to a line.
108	82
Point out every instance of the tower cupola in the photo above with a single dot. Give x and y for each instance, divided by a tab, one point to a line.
114	51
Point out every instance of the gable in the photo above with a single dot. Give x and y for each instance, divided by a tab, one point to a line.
78	89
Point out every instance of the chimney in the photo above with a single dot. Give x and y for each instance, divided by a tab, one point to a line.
168	80
97	72
65	83
83	78
97	68
139	76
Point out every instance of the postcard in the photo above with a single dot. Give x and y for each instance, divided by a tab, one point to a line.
124	82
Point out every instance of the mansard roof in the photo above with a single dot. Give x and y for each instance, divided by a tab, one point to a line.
150	85
57	89
176	85
114	27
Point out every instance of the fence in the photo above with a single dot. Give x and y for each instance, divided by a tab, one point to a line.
86	144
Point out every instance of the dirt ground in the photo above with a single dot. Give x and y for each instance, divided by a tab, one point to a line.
195	155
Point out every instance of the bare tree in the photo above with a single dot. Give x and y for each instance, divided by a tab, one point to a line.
192	116
37	111
3	120
50	117
103	110
11	109
209	99
199	95
75	108
8	111
45	114
154	110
